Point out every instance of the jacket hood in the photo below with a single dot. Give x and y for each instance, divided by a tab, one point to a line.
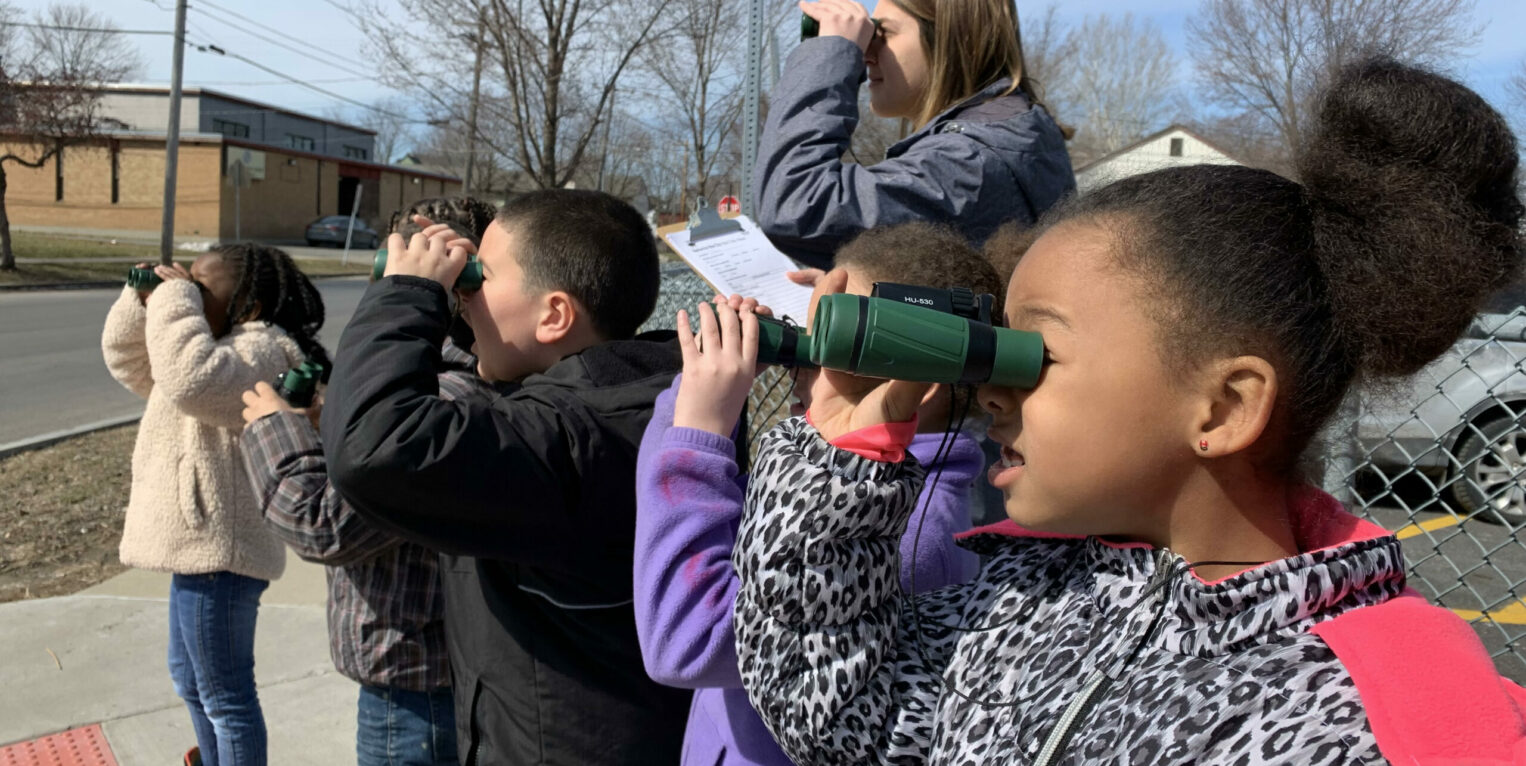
1007	122
1346	563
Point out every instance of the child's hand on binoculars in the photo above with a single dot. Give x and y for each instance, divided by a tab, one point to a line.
263	400
172	271
719	366
842	402
436	253
843	18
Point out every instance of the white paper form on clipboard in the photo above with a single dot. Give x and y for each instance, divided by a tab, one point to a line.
743	262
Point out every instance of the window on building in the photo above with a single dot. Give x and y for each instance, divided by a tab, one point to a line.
230	128
1176	146
301	143
355	153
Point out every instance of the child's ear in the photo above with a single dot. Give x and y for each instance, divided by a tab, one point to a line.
559	316
1238	397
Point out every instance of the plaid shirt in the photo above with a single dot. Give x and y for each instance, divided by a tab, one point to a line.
385	606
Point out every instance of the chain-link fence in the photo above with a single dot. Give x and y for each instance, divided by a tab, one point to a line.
1441	460
682	289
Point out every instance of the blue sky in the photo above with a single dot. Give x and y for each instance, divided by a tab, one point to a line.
315	24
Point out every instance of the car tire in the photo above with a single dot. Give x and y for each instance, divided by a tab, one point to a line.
312	243
1492	480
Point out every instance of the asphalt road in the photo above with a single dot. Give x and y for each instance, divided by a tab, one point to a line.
52	377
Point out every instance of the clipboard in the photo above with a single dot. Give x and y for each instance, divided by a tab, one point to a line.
732	255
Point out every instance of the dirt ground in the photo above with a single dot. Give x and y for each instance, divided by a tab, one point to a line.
61	516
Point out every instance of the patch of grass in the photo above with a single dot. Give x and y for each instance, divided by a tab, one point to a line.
29	244
96	271
62	516
56	273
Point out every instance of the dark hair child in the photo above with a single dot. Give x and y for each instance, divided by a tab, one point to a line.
1168	588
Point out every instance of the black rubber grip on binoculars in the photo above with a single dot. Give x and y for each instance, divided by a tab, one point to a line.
980	358
858	333
789	340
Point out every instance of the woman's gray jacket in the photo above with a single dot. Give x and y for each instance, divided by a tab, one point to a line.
979	164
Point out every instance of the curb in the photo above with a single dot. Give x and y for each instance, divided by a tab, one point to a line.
38	442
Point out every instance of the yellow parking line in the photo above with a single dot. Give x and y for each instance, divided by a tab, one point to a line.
1440	522
1513	614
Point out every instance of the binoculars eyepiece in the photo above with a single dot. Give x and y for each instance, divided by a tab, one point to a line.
469	279
904	332
143	279
298	385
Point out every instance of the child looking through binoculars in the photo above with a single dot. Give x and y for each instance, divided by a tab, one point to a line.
190	344
689	495
1168	587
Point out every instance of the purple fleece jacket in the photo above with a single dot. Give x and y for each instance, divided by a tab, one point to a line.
688	504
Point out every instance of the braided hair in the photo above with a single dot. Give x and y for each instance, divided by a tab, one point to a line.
269	279
469	216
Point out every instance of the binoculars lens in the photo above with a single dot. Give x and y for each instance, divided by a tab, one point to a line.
470	278
298	385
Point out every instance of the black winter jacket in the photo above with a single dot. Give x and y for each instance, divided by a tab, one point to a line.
530	496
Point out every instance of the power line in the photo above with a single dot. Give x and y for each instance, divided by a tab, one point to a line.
331	94
97	30
309	53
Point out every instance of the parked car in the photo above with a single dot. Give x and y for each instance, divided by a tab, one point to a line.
330	230
1460	421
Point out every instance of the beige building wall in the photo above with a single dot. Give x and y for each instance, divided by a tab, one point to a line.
297	188
31	197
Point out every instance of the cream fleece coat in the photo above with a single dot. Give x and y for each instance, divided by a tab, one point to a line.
192	509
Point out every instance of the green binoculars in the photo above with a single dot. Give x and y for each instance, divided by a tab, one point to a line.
470	278
298	385
881	337
810	27
143	279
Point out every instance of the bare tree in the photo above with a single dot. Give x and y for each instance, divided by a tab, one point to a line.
1049	51
550	68
1113	78
1516	88
699	74
386	116
50	80
1270	57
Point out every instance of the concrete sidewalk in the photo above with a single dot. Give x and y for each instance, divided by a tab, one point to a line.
110	642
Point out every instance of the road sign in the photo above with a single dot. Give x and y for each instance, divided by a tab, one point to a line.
728	204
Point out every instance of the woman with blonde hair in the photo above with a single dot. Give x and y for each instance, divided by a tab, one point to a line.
985	151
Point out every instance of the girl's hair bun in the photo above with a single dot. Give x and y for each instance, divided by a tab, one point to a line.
1410	178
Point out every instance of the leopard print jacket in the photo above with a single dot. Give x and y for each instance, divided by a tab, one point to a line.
1063	650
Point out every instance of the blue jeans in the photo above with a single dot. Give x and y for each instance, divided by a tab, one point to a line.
212	664
397	727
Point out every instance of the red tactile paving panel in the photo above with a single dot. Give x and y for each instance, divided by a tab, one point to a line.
76	747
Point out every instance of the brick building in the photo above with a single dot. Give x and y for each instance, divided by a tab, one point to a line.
296	168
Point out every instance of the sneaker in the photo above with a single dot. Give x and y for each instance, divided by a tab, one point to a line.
193	757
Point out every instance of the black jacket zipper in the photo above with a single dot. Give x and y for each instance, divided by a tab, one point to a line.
1099	681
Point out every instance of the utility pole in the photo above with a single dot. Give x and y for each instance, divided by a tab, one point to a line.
172	143
604	155
471	116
